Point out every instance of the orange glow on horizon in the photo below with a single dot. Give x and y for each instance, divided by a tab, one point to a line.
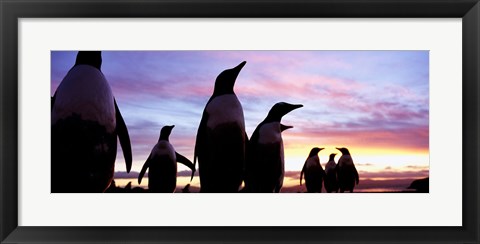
304	149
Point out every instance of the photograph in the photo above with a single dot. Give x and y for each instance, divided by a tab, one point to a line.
248	121
370	106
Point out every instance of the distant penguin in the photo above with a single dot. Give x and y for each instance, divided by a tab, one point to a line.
265	165
162	175
85	124
331	184
346	172
221	139
314	173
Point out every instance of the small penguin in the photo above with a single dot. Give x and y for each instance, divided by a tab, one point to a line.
265	165
331	184
162	175
346	172
314	173
85	123
221	139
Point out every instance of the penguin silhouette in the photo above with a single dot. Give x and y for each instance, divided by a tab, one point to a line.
265	165
85	123
221	139
186	189
314	173
162	164
346	172
331	184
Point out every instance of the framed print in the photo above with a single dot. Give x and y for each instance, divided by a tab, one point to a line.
390	86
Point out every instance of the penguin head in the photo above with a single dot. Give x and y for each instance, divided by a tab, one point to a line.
165	132
285	127
332	157
226	80
280	109
343	150
315	151
92	58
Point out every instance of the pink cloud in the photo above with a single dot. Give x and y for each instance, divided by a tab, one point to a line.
411	138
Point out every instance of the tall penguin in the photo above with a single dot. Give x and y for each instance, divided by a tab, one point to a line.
265	166
314	173
346	172
331	184
162	175
221	139
85	124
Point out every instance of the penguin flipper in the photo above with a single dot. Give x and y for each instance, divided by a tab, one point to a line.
336	170
144	169
52	100
200	140
249	160
185	161
122	133
357	178
301	173
246	157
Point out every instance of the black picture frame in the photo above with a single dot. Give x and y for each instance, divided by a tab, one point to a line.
11	11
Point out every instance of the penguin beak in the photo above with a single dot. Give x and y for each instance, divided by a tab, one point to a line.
240	66
285	127
320	149
290	107
237	69
295	106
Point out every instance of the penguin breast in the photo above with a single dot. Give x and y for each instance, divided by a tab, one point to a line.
345	161
313	162
86	93
164	148
270	133
225	109
330	167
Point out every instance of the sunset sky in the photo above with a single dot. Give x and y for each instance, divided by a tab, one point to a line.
376	103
